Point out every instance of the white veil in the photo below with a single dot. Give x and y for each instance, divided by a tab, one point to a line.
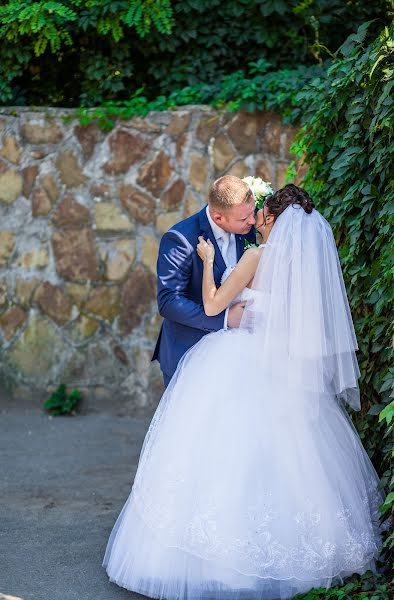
299	315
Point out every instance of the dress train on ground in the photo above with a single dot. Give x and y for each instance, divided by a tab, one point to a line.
244	488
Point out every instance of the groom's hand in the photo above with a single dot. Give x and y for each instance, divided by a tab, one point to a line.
235	314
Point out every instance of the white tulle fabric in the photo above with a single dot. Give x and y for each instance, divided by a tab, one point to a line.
300	311
245	488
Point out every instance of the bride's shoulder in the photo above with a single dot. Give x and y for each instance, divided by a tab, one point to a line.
253	252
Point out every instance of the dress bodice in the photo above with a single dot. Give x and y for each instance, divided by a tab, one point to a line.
247	293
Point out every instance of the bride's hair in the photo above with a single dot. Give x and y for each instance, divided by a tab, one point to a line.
284	197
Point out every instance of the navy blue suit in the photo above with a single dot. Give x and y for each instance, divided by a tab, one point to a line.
179	289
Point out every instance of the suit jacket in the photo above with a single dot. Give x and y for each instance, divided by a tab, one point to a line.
179	289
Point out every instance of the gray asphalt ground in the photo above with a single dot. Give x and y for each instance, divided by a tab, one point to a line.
63	482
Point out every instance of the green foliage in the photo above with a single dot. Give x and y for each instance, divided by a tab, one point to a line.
348	144
43	21
68	53
73	48
387	416
368	586
256	88
52	22
61	403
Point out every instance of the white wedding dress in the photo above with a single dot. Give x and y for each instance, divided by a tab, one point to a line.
238	497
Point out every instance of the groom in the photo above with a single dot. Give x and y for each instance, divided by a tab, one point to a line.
227	221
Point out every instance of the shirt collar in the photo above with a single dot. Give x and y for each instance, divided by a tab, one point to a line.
218	232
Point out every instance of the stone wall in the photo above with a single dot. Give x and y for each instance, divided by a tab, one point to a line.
81	216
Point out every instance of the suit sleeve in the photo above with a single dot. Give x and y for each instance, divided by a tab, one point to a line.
174	269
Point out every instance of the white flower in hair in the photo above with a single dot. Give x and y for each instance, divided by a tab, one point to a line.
260	188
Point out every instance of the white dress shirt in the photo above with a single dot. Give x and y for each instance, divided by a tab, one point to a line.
228	248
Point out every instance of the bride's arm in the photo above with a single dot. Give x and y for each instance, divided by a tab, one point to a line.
217	299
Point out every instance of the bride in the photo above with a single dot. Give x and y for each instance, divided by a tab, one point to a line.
252	481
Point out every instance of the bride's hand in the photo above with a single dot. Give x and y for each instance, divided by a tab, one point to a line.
205	250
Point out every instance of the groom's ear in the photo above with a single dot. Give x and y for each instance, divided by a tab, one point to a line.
217	217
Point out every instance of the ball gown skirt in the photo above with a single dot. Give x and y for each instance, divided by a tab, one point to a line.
244	489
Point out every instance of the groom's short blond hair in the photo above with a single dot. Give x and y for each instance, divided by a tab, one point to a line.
228	191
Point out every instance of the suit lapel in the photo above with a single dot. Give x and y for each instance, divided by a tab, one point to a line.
240	243
207	230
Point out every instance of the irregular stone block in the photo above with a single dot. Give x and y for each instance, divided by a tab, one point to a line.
88	136
150	250
179	145
3	293
7	245
49	185
70	212
82	329
198	171
34	133
119	262
192	205
140	206
75	255
95	363
69	169
178	124
40	203
39	154
78	293
138	291
126	149
165	221
280	179
37	258
11	321
207	127
29	176
100	190
120	354
239	169
24	289
109	218
152	329
155	174
145	381
38	351
271	128
10	186
53	302
103	301
143	124
223	153
242	131
265	170
11	150
173	196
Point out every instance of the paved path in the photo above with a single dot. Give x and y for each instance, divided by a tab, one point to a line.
63	482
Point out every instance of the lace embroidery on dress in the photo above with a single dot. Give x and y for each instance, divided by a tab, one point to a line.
256	550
